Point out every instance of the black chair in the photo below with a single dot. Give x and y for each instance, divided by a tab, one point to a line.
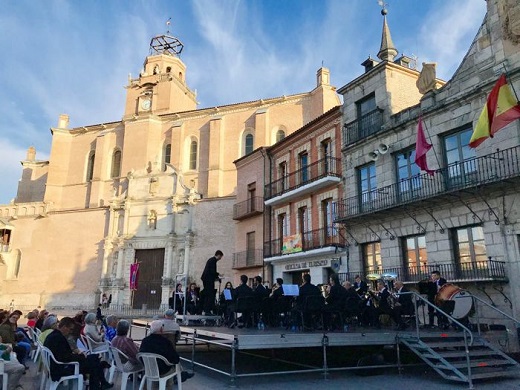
281	311
312	311
247	306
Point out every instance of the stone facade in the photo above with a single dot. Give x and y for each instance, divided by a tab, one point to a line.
159	182
464	219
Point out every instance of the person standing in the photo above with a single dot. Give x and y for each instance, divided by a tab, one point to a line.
209	276
437	281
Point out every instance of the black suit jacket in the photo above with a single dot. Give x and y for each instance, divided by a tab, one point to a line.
307	290
210	273
156	343
60	348
382	297
242	291
405	301
361	287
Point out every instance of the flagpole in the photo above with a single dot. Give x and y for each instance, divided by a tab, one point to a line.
433	147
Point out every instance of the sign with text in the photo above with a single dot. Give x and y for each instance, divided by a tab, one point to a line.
307	264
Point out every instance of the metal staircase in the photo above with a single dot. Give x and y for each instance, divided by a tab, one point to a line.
453	359
459	356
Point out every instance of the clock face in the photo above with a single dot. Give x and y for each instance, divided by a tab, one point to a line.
146	104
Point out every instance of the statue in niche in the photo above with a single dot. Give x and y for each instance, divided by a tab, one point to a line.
180	266
426	81
152	219
113	272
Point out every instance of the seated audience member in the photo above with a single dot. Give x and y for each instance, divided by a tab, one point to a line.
110	328
50	323
57	342
41	318
31	319
92	329
155	343
171	330
9	336
126	345
12	367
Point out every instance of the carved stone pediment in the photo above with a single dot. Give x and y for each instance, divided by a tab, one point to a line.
511	21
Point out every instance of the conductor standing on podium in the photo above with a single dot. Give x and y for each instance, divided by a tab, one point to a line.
209	276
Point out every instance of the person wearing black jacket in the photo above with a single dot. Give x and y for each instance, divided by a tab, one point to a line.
242	291
57	342
209	276
437	282
360	286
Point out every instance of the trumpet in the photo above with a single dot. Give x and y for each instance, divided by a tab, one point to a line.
371	295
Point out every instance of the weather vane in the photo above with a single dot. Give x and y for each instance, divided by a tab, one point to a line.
383	6
168	23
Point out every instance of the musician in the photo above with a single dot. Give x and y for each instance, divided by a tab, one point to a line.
353	304
438	282
259	290
403	301
382	306
360	286
277	291
335	295
192	304
242	291
306	289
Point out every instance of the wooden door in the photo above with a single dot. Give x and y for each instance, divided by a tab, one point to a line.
151	270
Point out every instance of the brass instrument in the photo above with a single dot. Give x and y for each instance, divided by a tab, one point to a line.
374	297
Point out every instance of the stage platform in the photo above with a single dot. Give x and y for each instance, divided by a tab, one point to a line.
249	352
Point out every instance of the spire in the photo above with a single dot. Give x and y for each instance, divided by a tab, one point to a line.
387	52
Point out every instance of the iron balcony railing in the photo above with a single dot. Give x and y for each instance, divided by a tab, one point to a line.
248	208
484	270
249	258
327	166
313	239
366	125
465	174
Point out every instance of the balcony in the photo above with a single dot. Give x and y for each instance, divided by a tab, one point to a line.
248	208
320	174
247	259
474	172
313	239
363	127
477	271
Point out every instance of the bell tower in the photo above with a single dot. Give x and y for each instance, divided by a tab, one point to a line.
161	86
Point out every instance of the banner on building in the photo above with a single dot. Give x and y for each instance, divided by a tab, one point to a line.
292	244
134	276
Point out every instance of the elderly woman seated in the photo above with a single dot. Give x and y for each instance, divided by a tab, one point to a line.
95	332
127	346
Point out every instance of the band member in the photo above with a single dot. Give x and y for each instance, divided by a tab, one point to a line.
403	301
335	295
360	286
438	282
381	305
353	304
192	303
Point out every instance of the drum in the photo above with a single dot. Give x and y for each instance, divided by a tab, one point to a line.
463	301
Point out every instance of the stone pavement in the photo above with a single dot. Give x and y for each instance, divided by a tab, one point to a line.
413	378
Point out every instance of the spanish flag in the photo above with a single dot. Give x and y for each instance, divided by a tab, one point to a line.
501	108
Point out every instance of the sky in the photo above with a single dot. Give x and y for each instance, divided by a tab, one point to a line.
74	56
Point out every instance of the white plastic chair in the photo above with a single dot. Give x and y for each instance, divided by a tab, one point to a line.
120	366
47	357
151	371
4	374
96	347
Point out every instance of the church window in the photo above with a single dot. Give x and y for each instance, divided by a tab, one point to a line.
249	144
193	155
90	166
116	164
280	135
167	155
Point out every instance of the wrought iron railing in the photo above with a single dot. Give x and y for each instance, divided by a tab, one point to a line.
248	208
465	174
364	126
327	166
249	258
313	239
485	270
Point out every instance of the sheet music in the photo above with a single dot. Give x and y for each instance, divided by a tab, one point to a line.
291	290
227	295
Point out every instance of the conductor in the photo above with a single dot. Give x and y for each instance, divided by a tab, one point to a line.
209	276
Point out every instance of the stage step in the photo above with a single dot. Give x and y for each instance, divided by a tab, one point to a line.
447	356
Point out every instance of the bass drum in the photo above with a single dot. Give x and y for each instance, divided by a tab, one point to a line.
462	299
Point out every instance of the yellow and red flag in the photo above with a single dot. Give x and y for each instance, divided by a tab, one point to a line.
501	108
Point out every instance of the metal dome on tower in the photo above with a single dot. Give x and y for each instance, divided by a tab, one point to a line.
166	44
